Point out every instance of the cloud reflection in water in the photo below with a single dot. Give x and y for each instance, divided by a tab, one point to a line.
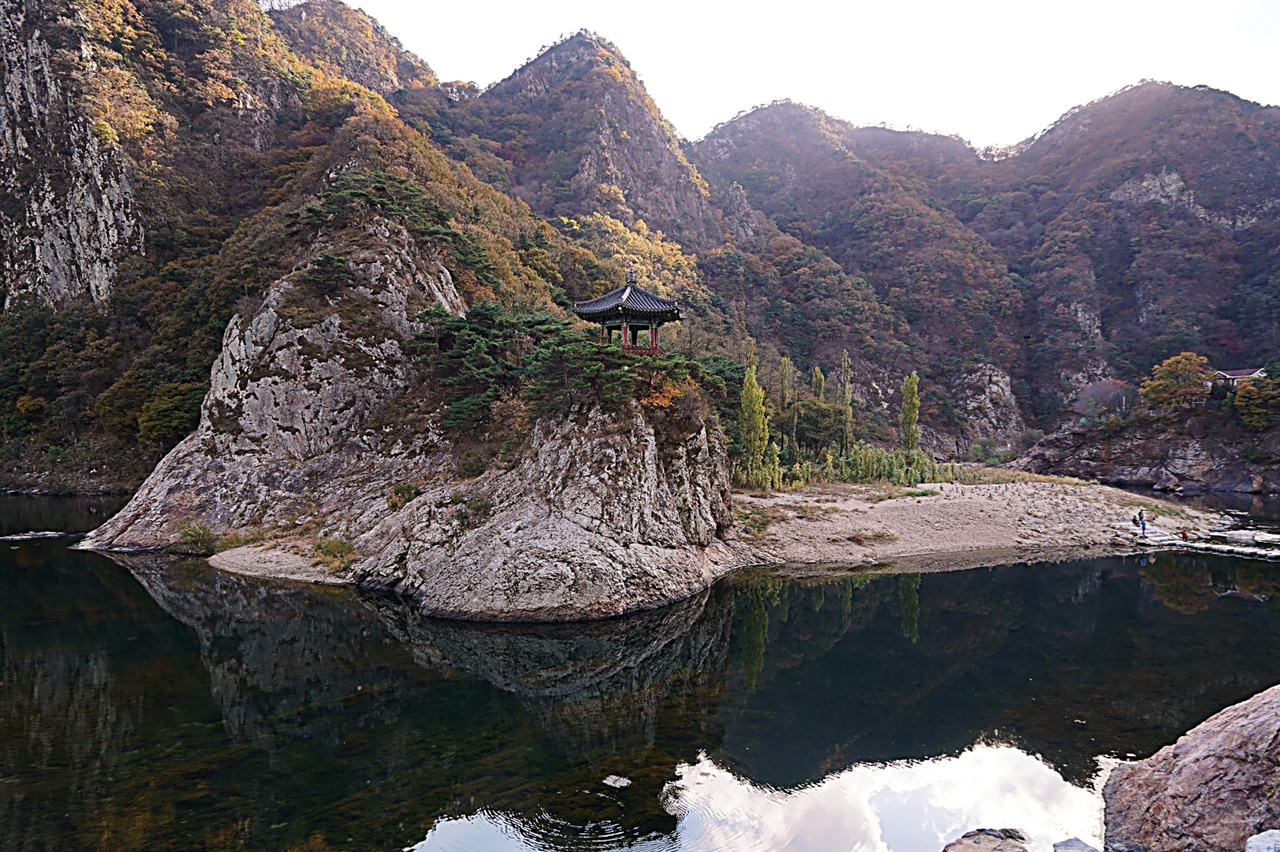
899	807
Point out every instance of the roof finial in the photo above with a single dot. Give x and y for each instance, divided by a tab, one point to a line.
631	275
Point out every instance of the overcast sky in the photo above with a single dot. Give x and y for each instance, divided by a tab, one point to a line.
993	72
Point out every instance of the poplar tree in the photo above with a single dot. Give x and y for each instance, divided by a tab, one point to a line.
790	393
910	412
819	383
755	429
846	401
787	375
773	468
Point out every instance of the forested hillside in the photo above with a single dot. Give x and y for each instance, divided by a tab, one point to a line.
164	161
214	160
1141	225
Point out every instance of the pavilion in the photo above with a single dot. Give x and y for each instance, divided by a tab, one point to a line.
630	310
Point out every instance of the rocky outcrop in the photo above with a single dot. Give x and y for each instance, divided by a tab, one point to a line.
1212	789
1194	453
984	399
591	523
315	431
67	209
988	840
285	435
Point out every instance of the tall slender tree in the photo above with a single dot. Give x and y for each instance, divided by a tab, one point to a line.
755	430
909	414
790	393
846	401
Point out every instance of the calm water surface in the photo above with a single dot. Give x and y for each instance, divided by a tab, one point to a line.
152	704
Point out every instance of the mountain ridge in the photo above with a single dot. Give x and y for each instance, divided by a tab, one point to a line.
1008	282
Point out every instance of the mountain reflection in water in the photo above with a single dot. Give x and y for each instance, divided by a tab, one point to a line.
172	705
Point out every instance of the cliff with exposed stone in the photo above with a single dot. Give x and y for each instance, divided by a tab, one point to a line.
317	429
67	208
1191	453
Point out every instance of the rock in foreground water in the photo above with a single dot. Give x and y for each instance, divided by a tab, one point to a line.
1212	789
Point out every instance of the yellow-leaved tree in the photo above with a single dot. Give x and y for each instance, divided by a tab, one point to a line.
1178	382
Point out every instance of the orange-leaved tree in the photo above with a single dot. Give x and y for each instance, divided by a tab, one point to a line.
1178	382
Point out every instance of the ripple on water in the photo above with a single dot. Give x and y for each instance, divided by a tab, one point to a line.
494	831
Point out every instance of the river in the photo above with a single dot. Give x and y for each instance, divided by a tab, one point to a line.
148	703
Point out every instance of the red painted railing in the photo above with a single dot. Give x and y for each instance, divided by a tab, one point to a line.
644	350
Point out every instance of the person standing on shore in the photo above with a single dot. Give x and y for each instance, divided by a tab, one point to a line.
1142	522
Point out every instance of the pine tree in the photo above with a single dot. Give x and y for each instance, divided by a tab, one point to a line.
910	412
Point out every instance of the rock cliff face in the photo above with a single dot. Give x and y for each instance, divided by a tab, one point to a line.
592	522
1212	789
67	208
1189	454
284	433
315	414
984	398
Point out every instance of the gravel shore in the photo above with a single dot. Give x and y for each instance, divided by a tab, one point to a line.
936	527
945	526
276	563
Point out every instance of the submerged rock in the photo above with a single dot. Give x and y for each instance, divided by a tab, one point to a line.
1212	789
988	840
1073	844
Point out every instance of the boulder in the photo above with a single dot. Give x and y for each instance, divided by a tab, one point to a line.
989	840
1213	789
1073	844
1267	841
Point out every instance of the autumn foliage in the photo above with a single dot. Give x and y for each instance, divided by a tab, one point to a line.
1178	382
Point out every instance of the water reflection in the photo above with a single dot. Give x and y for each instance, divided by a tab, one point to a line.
900	806
166	704
911	805
54	514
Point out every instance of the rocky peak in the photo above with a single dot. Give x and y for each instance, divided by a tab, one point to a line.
332	35
596	141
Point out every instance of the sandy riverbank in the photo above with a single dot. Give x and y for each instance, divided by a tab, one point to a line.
276	563
959	526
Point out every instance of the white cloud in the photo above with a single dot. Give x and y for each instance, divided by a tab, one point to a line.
994	72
